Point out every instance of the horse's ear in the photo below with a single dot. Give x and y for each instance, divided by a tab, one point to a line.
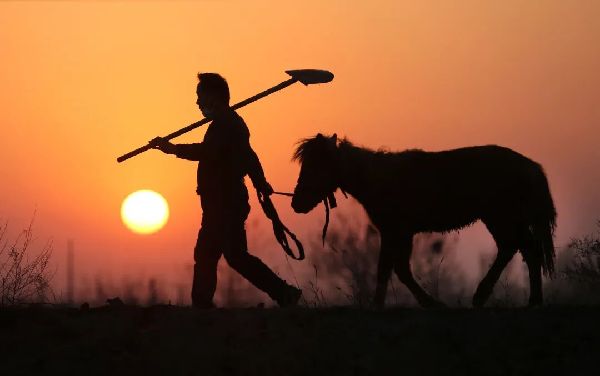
319	135
334	138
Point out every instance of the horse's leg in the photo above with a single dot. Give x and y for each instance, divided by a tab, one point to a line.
402	269
506	243
384	270
534	266
486	286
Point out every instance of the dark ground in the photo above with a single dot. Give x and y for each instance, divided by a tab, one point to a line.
299	341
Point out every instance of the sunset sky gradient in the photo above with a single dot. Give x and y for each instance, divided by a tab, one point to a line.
84	82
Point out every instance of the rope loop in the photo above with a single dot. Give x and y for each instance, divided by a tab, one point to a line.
279	229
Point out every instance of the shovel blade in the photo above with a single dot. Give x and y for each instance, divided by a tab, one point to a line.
311	76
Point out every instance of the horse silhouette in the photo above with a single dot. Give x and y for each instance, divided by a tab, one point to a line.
414	191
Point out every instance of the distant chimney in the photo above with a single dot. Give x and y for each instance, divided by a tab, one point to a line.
70	271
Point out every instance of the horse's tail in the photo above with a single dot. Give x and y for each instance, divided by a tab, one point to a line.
543	220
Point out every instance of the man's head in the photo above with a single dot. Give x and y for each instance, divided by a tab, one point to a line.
213	93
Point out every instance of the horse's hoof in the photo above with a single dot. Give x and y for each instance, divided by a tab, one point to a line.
478	303
479	299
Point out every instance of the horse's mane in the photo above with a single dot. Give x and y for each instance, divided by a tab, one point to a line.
345	144
304	147
309	145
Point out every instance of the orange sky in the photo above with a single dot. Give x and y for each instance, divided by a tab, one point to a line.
84	82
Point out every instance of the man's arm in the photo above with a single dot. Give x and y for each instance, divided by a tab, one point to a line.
256	173
191	152
242	155
251	163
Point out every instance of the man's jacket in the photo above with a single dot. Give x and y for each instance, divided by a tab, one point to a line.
224	158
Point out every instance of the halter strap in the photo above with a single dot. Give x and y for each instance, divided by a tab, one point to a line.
329	202
284	194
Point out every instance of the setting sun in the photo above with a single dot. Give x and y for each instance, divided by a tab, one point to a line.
144	211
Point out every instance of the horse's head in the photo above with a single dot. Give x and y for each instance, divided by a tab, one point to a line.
318	172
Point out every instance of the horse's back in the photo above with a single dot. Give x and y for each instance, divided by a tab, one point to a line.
477	164
440	191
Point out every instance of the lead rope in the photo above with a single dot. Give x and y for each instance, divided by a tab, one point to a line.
279	229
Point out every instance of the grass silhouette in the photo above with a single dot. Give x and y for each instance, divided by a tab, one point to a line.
321	338
24	275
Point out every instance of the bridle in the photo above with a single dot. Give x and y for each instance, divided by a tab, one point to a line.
329	202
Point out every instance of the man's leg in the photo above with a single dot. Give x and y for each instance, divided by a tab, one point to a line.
206	257
254	270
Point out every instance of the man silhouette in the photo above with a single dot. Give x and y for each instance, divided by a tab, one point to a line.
224	158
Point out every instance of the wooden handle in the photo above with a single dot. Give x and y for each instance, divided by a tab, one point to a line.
195	125
133	153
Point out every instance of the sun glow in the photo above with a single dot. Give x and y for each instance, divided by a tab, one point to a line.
144	211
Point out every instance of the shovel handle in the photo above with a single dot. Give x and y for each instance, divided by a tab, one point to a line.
144	148
241	104
133	153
